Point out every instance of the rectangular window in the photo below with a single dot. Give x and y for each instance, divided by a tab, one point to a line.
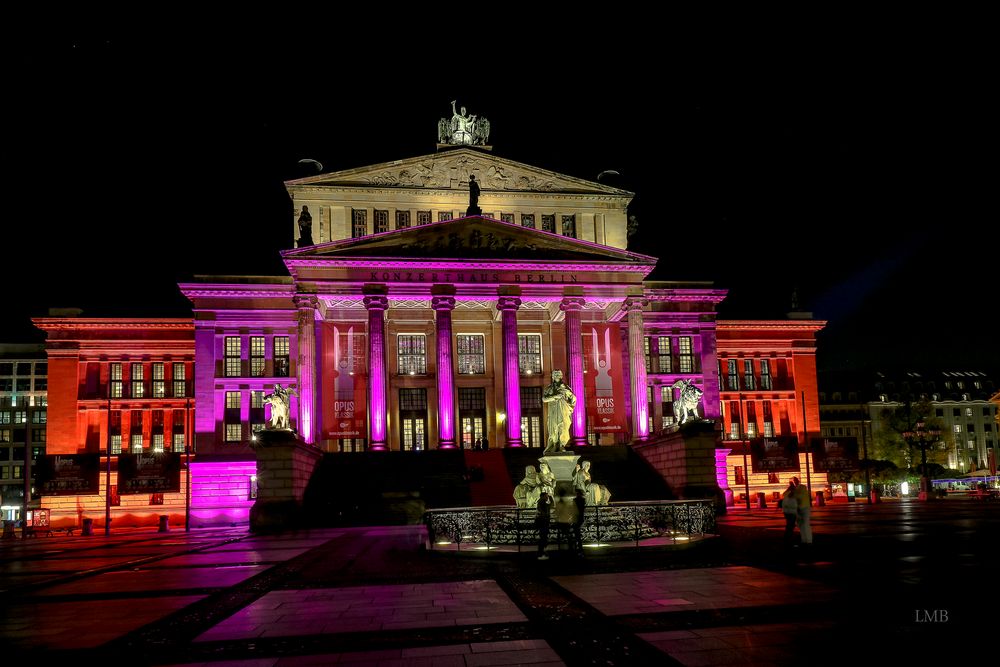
569	225
412	354
5	434
39	416
740	478
968	412
647	353
180	386
423	217
685	355
232	400
137	387
528	220
413	419
234	432
444	215
23	385
507	217
157	444
135	443
748	378
17	472
38	435
359	223
282	366
732	379
156	499
178	444
765	374
768	420
257	356
116	443
402	219
159	384
548	223
4	417
667	406
20	417
529	354
41	384
381	221
256	411
115	375
471	354
663	351
233	352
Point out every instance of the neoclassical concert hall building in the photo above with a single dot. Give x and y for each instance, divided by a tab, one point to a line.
409	320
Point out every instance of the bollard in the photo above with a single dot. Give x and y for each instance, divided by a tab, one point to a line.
820	499
164	524
8	530
761	500
88	527
876	496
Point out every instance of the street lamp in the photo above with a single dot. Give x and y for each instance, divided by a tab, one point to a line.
922	437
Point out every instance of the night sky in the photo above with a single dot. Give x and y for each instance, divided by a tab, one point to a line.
854	174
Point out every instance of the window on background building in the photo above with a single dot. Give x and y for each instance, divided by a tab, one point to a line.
359	223
549	223
529	354
971	444
732	377
507	217
116	443
765	374
411	351
667	406
352	444
444	215
115	384
159	384
751	429
137	388
23	368
233	351
968	412
256	411
685	355
116	499
22	385
178	444
39	416
180	384
232	400
41	384
156	499
423	217
257	344
381	221
4	472
471	354
135	443
958	428
20	417
6	384
7	368
528	220
663	352
282	366
768	420
647	353
740	478
402	219
772	478
5	434
749	382
157	442
569	225
4	417
41	369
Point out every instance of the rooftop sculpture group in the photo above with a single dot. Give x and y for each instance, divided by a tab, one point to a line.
462	129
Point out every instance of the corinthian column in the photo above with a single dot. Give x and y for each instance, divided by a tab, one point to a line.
574	365
443	305
377	404
508	306
306	373
637	367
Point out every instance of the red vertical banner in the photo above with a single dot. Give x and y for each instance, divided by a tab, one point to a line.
344	380
602	380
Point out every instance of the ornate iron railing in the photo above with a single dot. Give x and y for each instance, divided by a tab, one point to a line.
617	522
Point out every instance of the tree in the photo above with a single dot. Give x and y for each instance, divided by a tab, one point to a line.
894	422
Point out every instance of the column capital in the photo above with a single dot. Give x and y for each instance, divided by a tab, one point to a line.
443	303
508	303
633	303
305	301
572	303
376	302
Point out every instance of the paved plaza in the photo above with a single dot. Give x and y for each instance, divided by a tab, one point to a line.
898	579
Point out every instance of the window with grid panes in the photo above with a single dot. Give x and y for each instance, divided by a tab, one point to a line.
233	421
768	419
528	220
359	223
257	357
569	225
529	354
548	223
157	444
732	378
749	381
765	374
282	365
471	354
136	385
685	355
39	416
663	354
233	351
159	381
402	219
531	416
423	217
507	217
647	353
180	382
444	215
135	443
256	411
411	353
667	405
381	221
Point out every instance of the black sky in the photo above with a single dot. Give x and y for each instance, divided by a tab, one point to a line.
854	171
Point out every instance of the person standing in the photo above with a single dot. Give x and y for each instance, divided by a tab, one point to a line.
789	508
580	501
542	519
802	511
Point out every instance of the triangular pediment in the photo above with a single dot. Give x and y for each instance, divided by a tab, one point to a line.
450	170
470	239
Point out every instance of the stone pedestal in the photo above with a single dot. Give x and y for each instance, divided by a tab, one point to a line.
285	465
686	460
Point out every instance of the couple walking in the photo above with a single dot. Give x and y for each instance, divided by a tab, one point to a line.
795	505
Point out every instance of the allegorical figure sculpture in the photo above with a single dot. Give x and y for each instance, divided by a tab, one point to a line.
561	404
305	227
462	129
595	494
473	197
546	480
279	400
526	493
686	405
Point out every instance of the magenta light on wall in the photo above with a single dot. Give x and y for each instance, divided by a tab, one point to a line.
377	306
443	306
574	358
220	492
508	305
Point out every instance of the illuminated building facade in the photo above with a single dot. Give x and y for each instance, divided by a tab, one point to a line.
23	419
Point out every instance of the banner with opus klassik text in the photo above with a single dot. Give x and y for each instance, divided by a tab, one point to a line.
345	381
602	379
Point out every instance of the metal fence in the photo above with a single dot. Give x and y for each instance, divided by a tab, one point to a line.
617	522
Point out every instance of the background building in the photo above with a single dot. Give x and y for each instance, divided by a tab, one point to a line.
23	417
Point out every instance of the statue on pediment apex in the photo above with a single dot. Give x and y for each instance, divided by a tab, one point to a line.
463	129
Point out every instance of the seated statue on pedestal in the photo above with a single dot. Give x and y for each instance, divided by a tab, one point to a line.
526	493
595	494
